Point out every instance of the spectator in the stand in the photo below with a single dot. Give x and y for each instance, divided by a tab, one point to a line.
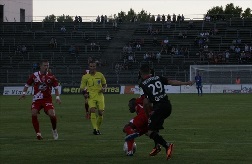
163	18
53	43
90	59
98	46
92	45
174	18
102	18
158	56
86	38
114	25
72	50
227	56
182	18
138	46
105	19
18	49
98	19
184	34
179	18
246	48
168	17
168	24
63	29
237	50
23	50
149	28
180	35
80	19
76	19
155	40
207	18
158	18
190	24
108	37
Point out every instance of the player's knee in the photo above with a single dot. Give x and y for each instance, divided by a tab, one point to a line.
34	112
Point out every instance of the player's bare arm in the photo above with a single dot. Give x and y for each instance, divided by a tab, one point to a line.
23	93
57	96
178	83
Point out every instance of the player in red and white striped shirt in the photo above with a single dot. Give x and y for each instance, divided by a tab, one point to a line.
43	81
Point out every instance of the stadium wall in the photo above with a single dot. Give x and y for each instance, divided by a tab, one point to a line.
17	11
134	89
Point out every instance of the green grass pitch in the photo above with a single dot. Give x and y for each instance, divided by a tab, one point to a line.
214	128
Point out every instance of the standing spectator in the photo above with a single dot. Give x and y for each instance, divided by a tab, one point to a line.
63	29
98	19
198	81
95	83
43	81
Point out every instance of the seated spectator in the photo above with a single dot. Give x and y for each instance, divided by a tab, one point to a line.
53	43
114	25
92	45
190	24
155	40
158	56
18	49
207	18
72	50
180	35
23	50
63	29
138	47
108	37
168	24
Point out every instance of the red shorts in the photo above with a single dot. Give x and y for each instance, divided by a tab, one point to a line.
45	104
141	123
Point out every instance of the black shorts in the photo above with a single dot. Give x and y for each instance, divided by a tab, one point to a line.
161	111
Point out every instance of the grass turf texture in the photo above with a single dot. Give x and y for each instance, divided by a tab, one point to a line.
214	128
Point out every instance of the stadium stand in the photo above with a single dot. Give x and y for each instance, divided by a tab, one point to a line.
68	66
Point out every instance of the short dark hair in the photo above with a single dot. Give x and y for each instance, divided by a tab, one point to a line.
145	69
43	61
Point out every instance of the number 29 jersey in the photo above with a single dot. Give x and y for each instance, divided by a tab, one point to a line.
154	88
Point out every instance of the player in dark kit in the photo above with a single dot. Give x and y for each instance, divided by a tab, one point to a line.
157	101
198	82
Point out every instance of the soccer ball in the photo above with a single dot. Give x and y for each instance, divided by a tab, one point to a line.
125	147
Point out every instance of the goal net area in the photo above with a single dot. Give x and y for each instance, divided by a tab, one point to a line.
222	74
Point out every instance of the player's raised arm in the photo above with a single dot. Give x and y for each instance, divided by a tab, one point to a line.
178	83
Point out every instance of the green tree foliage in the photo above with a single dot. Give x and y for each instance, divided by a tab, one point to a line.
230	11
143	16
64	18
247	13
50	18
